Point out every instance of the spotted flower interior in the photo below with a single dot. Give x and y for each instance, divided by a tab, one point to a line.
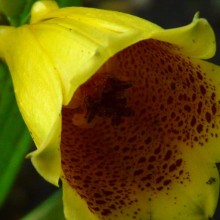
132	132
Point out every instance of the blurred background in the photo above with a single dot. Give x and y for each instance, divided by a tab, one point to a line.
30	189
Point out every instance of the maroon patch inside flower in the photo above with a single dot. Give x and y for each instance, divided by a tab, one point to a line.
108	101
126	129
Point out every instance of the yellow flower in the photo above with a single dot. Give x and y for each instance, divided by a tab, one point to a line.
124	112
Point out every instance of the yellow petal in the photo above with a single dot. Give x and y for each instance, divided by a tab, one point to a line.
74	206
38	93
93	36
11	8
212	78
96	35
196	39
47	158
41	9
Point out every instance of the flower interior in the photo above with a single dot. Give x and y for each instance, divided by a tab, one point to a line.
126	129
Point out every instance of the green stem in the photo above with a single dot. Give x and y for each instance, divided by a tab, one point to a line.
52	208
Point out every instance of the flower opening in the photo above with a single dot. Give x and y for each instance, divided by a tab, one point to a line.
113	166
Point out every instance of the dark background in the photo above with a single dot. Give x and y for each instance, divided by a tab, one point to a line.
30	189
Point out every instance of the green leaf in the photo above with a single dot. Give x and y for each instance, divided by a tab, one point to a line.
68	3
26	13
50	209
14	137
12	9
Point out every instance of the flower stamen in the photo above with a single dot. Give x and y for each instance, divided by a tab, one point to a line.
111	103
103	96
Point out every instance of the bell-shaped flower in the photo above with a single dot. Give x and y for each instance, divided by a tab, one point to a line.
124	112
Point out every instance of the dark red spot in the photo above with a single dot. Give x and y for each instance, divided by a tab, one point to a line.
97	195
150	167
126	157
180	97
199	75
193	121
152	159
172	167
125	149
160	188
162	107
170	69
191	78
148	177
166	182
180	123
142	160
181	172
99	173
187	108
196	139
214	110
173	86
138	172
132	139
77	177
148	185
179	162
159	179
170	100
213	96
96	209
208	117
165	166
203	90
106	212
100	202
112	207
162	61
116	148
180	68
168	155
122	202
173	114
107	193
193	97
199	109
157	150
164	118
148	140
199	128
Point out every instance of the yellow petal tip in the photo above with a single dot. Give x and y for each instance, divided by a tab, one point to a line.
196	16
41	8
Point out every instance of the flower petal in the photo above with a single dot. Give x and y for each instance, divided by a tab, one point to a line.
41	9
46	159
211	80
74	206
69	46
162	156
93	37
38	92
196	39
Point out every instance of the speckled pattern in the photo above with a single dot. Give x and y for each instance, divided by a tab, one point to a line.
173	102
